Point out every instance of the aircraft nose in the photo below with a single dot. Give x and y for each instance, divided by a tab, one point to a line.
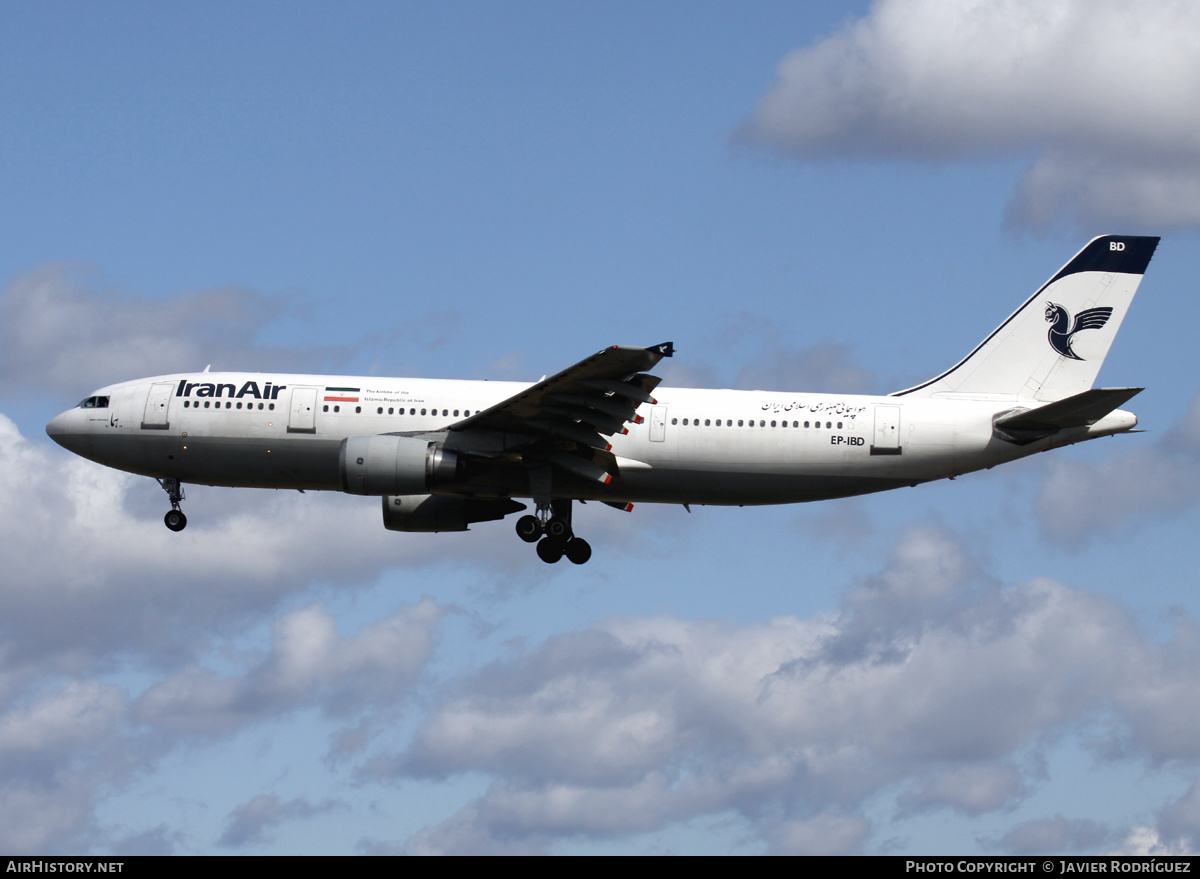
57	429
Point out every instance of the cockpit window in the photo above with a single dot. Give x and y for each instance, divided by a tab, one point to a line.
94	403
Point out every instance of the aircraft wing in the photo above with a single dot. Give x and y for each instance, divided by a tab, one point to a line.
583	404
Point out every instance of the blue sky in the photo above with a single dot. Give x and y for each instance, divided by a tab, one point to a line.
840	197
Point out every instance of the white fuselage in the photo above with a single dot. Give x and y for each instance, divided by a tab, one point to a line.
695	446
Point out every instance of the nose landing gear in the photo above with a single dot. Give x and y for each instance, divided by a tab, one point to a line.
551	530
174	519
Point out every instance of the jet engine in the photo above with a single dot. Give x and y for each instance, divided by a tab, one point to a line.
401	465
435	512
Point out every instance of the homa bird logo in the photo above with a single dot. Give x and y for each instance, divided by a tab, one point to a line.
1059	319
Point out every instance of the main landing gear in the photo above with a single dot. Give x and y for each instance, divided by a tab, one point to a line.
551	530
174	519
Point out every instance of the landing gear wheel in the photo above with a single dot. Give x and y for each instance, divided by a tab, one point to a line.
559	528
578	550
529	528
550	550
175	520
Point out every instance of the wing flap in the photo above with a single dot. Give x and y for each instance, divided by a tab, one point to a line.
581	467
628	390
571	431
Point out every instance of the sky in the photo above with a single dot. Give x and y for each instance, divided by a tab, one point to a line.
840	197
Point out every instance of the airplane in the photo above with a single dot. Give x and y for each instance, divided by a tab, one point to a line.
444	455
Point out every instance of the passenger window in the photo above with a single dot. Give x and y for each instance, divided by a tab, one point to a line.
422	411
740	422
455	413
325	408
839	425
379	411
270	406
706	424
337	408
772	424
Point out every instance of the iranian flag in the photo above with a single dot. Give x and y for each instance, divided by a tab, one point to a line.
341	395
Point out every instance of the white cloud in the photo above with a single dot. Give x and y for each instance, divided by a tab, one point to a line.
1082	501
63	330
159	840
1099	91
249	822
309	664
57	724
1053	836
974	789
56	754
822	835
1176	831
636	724
929	686
62	752
1179	822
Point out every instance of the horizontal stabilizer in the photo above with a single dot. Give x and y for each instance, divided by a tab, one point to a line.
1081	410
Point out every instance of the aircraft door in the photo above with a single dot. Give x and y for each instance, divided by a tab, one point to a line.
658	424
155	416
886	440
302	417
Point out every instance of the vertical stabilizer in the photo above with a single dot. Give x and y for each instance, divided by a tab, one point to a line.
1052	347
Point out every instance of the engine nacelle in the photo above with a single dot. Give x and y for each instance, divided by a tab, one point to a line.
402	465
435	512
